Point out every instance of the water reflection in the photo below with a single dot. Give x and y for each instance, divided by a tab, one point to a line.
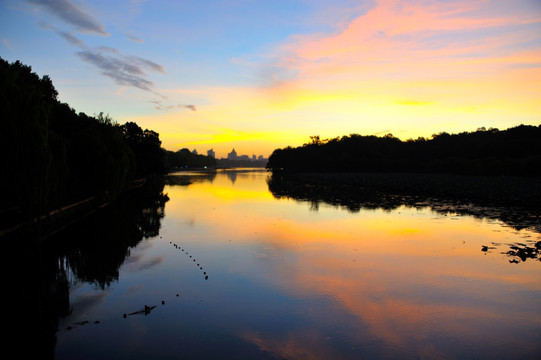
92	251
388	278
354	199
221	268
185	178
97	253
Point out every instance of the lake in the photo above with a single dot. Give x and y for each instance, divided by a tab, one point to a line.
224	269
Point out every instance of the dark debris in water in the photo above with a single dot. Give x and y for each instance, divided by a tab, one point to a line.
524	252
191	257
145	310
518	252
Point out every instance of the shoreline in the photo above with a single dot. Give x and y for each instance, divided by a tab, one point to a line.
44	226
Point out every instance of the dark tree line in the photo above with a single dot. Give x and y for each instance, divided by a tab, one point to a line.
51	155
184	158
515	151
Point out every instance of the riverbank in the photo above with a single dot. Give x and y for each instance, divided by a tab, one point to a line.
48	224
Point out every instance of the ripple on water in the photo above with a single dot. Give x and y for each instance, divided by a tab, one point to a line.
320	310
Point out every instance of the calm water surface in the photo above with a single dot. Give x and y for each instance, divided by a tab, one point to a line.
236	273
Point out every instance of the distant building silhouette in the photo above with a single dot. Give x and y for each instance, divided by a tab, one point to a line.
232	155
211	153
235	160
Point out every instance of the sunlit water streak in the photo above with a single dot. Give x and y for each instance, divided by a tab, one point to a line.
236	273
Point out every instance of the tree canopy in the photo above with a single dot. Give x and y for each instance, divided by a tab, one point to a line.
52	155
184	158
515	151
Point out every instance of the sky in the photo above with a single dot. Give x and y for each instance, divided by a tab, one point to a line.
257	75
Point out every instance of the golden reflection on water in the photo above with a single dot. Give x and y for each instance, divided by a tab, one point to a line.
403	276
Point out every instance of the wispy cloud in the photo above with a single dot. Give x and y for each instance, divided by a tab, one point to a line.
68	36
190	107
126	70
134	38
71	14
6	43
123	69
159	105
72	39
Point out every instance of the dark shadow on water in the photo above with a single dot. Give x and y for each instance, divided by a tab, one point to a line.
37	280
189	177
514	201
96	248
186	178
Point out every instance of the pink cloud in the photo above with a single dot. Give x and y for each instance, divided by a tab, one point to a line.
412	37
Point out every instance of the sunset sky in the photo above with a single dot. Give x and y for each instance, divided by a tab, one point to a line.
256	75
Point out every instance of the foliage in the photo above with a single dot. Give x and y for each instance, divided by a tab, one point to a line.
52	156
186	159
98	160
146	147
515	151
31	154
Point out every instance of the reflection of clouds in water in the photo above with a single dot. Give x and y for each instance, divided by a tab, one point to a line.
137	262
148	264
307	344
82	303
142	265
135	289
398	280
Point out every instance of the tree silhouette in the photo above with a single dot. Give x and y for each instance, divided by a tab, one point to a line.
184	158
146	146
515	151
52	156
